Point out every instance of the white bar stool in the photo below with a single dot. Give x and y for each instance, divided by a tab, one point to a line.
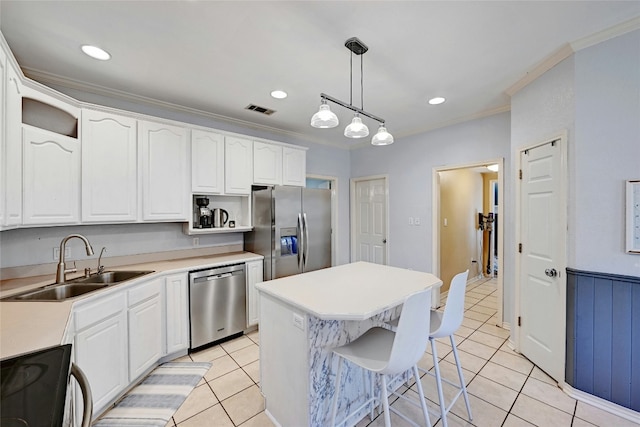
444	324
385	352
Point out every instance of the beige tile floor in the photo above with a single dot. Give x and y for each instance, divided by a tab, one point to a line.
505	388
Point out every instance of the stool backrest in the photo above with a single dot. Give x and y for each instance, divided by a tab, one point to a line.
412	333
454	308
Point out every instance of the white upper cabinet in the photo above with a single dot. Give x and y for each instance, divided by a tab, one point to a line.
278	164
12	149
3	79
165	172
267	163
238	165
207	162
294	166
109	167
51	176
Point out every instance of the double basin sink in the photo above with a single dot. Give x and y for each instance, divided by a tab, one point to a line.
76	287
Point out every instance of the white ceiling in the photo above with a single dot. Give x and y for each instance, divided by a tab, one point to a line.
220	56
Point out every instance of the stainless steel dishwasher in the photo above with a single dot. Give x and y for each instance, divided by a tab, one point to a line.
217	304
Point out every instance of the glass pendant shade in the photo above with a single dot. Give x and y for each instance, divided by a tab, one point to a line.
356	128
382	137
324	118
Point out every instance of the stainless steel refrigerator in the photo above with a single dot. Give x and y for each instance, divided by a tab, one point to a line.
291	229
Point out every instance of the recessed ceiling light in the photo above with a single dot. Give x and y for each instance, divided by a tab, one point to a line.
95	52
279	94
437	100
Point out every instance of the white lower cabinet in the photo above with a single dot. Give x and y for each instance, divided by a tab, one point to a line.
177	309
101	348
254	275
145	327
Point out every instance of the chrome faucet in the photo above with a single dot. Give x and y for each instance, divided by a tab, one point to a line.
100	268
61	273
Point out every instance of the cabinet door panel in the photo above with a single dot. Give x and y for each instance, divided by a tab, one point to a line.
109	167
177	306
164	173
101	353
207	162
238	165
294	167
267	163
13	150
145	336
254	275
51	175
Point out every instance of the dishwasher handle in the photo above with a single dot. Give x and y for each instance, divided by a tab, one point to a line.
219	276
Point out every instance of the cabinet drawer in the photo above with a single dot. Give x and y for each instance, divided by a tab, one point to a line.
144	291
93	312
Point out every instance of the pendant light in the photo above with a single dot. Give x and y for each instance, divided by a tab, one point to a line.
382	137
356	128
325	118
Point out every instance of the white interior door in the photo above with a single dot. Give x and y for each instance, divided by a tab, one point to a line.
543	238
370	221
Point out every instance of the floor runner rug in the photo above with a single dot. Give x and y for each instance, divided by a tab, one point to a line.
154	400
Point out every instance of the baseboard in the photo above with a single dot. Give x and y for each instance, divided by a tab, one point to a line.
605	405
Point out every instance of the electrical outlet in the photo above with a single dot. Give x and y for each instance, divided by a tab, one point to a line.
298	321
416	220
56	253
196	242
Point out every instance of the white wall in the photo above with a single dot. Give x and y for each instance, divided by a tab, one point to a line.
34	246
607	153
409	163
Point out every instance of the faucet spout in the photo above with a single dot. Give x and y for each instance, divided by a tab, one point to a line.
62	270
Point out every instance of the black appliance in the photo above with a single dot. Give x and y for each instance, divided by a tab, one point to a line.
33	388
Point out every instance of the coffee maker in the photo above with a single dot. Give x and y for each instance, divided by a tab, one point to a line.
203	217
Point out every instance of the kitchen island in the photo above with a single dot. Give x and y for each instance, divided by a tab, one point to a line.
303	317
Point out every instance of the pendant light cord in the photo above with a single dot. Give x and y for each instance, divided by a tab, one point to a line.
361	83
351	79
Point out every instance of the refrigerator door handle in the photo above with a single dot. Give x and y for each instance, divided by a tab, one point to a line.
301	242
305	255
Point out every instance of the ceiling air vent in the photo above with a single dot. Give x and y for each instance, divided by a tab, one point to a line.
258	109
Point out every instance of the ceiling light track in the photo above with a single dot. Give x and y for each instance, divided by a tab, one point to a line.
325	118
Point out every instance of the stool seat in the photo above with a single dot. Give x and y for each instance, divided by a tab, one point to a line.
383	352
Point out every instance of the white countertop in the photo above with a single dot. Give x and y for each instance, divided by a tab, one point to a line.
354	291
30	325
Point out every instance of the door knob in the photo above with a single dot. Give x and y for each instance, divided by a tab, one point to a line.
551	272
384	240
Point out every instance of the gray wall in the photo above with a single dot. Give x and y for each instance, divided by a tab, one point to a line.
34	246
409	163
607	153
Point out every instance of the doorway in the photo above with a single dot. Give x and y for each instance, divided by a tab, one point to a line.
466	223
369	218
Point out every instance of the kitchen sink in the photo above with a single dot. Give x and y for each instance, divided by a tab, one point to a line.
110	277
57	293
76	287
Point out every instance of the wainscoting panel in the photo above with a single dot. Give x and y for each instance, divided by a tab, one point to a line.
603	336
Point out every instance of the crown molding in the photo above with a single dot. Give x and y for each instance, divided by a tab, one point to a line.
570	48
475	116
44	78
608	34
542	67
